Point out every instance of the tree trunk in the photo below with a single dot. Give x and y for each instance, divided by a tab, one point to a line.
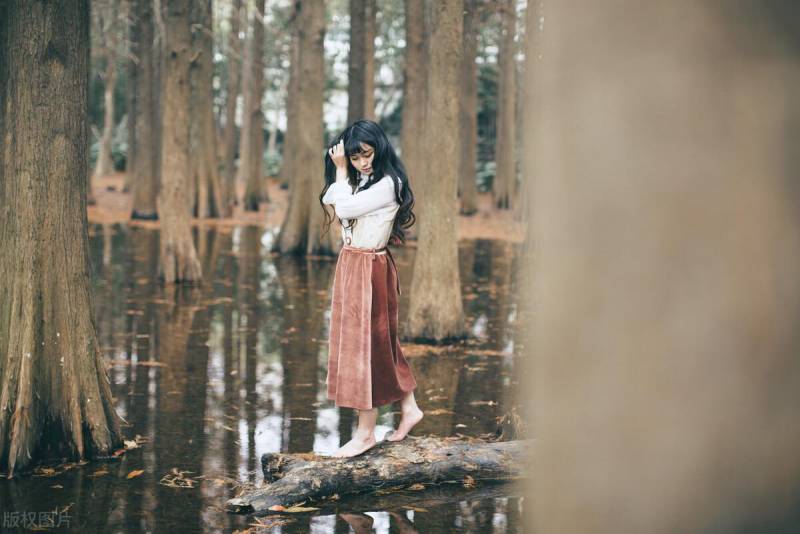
54	391
202	145
287	163
361	61
292	479
533	42
414	89
468	113
145	167
179	261
131	112
302	226
252	156
105	164
232	97
435	307
505	175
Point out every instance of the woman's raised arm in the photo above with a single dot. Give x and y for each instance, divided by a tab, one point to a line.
351	205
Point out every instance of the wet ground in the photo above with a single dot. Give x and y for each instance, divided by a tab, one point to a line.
209	378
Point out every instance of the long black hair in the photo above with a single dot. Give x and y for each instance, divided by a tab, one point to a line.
385	162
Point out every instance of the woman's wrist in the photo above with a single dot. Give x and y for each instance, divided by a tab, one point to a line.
341	174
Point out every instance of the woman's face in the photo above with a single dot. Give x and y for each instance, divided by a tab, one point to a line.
362	161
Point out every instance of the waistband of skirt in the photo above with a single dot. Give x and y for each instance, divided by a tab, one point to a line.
365	250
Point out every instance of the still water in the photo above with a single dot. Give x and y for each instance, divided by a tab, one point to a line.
211	377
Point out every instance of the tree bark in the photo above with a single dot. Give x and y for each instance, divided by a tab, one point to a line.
361	61
232	97
202	144
252	155
55	397
291	479
414	97
435	306
179	261
302	226
468	113
505	175
145	167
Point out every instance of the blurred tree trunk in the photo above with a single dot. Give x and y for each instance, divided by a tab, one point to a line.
415	74
272	143
435	307
302	225
287	162
144	162
468	112
54	390
202	140
505	176
179	261
532	50
106	13
361	61
131	111
252	153
234	86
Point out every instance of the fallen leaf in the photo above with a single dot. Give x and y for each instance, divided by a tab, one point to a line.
414	508
135	473
277	508
416	487
99	473
299	509
130	444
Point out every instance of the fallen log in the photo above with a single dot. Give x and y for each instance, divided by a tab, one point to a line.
292	480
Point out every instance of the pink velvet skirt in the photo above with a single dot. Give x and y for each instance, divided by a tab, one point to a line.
366	366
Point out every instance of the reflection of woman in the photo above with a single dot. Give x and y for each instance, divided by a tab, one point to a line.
367	185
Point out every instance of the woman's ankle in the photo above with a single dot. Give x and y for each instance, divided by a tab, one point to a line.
364	435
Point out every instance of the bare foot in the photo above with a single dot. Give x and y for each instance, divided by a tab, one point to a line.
360	522
355	446
406	424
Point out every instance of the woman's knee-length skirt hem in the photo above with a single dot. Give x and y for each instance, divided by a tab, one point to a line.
366	366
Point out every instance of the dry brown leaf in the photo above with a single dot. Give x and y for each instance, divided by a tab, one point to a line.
135	473
300	509
416	487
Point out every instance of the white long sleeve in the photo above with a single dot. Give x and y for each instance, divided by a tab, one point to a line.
351	205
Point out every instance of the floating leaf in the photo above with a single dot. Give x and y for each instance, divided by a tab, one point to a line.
99	473
416	487
135	473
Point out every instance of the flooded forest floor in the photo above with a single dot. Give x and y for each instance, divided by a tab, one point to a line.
210	377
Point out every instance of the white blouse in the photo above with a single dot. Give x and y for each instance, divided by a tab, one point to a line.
374	210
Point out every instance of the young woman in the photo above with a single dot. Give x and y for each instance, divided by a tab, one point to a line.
366	183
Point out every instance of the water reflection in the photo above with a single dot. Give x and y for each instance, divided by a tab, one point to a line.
212	376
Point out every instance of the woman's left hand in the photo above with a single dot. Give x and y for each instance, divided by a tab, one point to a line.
337	155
